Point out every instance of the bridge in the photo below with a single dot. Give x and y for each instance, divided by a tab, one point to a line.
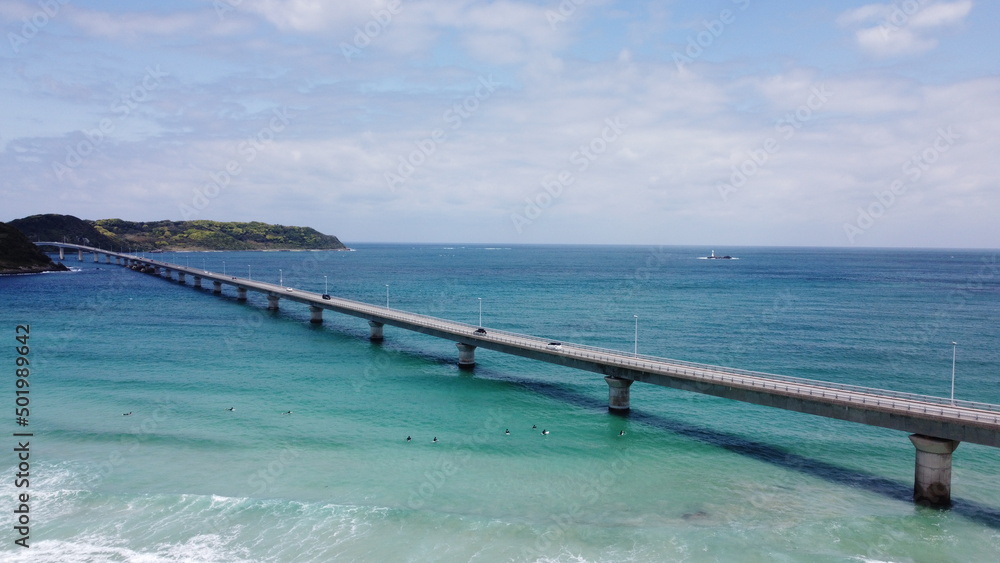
936	425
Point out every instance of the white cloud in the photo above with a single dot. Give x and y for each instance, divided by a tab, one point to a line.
903	27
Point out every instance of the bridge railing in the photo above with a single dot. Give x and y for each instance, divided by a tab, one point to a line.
870	395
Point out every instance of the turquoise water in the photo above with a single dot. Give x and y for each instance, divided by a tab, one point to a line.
695	478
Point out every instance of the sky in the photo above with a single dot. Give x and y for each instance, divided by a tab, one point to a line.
717	123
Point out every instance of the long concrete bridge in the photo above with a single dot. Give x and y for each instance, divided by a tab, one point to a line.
936	425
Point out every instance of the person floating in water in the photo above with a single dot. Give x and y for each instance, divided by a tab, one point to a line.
231	409
435	439
506	432
408	438
287	412
129	413
545	432
622	433
533	427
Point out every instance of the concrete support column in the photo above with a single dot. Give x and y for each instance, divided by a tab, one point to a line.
272	302
315	314
376	334
216	287
466	355
618	393
932	477
79	255
95	258
180	277
241	294
107	258
197	282
62	253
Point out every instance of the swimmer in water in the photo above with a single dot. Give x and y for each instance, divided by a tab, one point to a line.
545	432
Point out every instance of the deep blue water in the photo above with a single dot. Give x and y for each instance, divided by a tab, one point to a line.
695	477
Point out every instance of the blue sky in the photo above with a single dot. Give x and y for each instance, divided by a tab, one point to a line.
726	122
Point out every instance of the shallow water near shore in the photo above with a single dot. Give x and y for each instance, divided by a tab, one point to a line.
694	478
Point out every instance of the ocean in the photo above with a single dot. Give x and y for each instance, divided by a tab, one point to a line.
693	478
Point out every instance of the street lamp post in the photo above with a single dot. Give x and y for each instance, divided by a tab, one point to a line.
954	351
223	267
326	286
635	350
281	277
480	312
248	273
386	296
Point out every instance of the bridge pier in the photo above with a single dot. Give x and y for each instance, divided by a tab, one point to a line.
107	258
932	477
315	315
180	277
376	334
95	258
79	255
241	294
197	282
216	287
466	355
62	253
272	302
618	393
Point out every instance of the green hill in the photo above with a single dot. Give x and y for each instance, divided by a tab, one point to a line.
174	235
18	255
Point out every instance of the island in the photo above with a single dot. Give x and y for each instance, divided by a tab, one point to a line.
154	236
18	255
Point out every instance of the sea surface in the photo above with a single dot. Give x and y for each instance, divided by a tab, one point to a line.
694	478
